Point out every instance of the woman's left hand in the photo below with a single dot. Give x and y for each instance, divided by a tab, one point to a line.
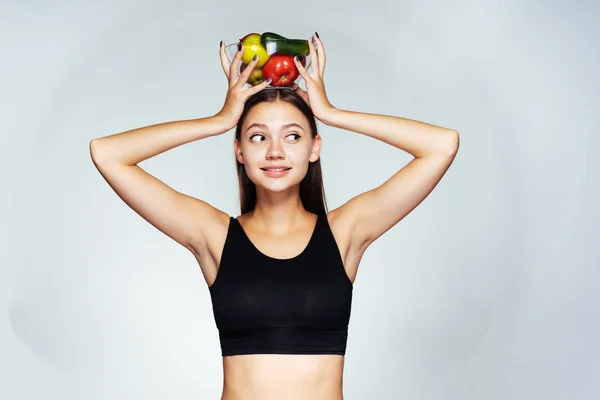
315	94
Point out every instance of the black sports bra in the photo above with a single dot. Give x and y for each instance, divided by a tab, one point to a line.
265	305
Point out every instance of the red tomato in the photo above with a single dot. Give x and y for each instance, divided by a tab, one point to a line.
281	69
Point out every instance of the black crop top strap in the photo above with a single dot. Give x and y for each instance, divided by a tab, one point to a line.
266	305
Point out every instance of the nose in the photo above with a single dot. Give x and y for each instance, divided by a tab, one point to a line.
275	151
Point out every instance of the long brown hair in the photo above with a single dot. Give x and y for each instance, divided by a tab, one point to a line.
312	193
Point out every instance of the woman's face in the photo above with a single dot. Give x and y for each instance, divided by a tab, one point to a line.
276	134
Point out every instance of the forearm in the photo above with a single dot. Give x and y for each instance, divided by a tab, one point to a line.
134	146
415	137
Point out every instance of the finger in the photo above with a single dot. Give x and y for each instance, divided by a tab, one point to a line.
299	90
301	69
322	57
235	66
259	87
303	94
224	59
246	74
314	59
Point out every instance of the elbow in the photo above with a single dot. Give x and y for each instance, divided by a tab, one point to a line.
93	148
451	143
454	142
96	151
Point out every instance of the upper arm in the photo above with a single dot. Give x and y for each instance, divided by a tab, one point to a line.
185	219
374	212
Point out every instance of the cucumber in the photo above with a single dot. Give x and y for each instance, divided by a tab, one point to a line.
269	37
275	43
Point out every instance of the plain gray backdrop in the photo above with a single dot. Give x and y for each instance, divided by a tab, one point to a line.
488	290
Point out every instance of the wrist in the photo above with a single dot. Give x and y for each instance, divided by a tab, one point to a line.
329	117
222	123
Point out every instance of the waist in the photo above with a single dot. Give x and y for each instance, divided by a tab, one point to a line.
283	376
284	339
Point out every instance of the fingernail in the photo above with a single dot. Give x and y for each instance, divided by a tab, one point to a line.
296	58
317	33
313	40
269	80
221	44
239	46
255	57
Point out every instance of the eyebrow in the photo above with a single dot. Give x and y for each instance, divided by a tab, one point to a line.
263	126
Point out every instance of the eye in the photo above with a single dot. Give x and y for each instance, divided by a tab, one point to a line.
254	136
295	134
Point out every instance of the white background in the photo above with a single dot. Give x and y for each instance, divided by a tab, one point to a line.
486	291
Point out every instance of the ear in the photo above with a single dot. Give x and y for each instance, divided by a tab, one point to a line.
237	149
315	152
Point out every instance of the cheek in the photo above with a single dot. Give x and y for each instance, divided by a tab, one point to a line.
300	155
252	155
300	160
252	158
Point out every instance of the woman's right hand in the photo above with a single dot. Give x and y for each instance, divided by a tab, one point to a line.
237	94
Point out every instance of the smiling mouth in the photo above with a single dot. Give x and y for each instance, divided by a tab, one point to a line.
275	169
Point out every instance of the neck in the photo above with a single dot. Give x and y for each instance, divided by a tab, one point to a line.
278	212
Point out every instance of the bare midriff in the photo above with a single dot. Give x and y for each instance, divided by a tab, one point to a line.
283	376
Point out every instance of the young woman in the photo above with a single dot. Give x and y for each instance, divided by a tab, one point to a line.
281	274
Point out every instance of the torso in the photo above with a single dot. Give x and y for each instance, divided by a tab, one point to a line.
210	257
276	376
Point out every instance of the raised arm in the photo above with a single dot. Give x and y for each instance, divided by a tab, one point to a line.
370	214
183	218
374	212
179	216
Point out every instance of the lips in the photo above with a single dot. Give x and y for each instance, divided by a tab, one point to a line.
275	168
